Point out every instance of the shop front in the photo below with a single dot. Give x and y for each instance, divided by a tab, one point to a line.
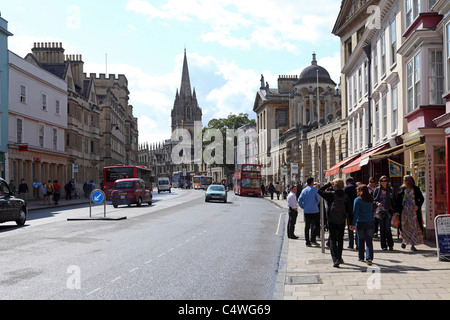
426	163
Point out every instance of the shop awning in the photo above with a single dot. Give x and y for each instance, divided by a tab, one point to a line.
361	161
337	168
387	153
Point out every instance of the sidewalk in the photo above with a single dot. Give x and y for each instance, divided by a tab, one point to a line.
35	205
305	273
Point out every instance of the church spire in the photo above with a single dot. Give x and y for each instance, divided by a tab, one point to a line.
185	89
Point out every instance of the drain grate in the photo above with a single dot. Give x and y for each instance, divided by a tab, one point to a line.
298	280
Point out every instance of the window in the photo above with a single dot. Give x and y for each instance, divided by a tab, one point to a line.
360	131
355	131
350	136
436	77
55	139
282	118
375	65
383	54
58	107
413	83
376	128
412	8
23	94
393	42
366	114
350	93
354	90
41	136
44	102
384	116
394	104
19	130
448	56
359	84
366	78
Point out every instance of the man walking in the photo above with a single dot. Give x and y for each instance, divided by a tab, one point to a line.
309	201
293	212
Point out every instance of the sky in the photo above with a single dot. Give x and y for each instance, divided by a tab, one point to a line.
229	44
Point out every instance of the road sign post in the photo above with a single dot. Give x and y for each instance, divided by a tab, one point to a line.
97	197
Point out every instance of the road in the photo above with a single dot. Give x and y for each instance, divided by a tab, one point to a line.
180	248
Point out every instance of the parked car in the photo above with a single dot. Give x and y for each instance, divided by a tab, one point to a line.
131	191
216	192
164	185
11	208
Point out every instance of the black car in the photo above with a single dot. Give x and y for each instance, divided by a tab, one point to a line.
11	208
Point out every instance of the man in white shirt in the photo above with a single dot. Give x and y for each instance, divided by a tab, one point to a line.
293	212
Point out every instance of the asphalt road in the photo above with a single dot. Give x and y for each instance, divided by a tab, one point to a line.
180	248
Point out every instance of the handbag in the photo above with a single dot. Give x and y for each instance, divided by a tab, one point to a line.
381	213
395	221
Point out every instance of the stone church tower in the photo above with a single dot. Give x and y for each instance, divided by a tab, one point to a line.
185	109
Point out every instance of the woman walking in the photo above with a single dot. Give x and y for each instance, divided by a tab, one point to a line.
363	222
409	204
385	202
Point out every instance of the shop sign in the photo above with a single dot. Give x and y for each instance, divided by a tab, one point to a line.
430	187
442	227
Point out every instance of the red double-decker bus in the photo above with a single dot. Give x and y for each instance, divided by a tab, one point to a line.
113	173
247	180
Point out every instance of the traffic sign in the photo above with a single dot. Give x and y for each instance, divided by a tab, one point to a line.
98	197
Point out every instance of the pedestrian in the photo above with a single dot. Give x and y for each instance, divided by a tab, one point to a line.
384	199
293	212
263	189
409	204
56	192
36	187
299	188
278	190
44	192
271	190
49	192
350	191
363	223
338	212
309	201
372	186
12	186
68	190
23	189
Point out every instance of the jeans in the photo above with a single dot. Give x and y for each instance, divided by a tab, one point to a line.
313	218
386	233
365	232
336	241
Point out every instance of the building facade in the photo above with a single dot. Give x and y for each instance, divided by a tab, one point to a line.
296	120
37	123
82	136
4	90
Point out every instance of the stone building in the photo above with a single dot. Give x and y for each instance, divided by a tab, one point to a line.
37	123
297	119
101	130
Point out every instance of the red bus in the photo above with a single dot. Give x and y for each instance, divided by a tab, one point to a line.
111	174
247	180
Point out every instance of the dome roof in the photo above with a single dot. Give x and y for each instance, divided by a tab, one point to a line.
309	74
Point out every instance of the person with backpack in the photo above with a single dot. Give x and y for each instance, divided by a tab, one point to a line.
364	223
339	210
49	192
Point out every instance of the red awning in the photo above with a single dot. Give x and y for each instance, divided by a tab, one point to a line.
356	164
335	169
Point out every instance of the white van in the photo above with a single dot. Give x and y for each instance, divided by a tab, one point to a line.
164	185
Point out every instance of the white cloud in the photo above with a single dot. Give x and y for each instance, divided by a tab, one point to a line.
275	25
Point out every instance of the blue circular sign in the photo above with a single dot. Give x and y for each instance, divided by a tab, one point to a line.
98	197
